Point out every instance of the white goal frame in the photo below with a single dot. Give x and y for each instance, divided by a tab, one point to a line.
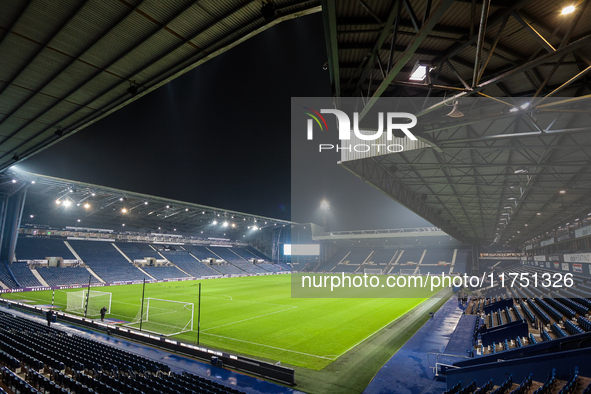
373	271
407	271
144	318
76	302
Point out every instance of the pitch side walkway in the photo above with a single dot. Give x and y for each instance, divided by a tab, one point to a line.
408	371
176	362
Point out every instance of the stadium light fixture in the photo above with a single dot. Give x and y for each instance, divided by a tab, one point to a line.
255	228
168	206
325	205
124	210
145	203
93	194
233	225
86	206
78	220
214	222
14	181
31	216
32	182
225	224
174	229
123	224
58	202
120	198
568	10
419	72
186	209
539	213
511	198
67	203
562	192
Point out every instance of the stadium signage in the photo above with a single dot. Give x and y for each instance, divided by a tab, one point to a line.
583	232
344	126
547	242
565	237
578	258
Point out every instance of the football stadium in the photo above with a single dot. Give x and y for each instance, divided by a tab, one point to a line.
422	227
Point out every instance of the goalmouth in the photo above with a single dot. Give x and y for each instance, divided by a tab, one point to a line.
76	302
164	317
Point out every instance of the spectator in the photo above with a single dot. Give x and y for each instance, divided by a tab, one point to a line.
103	313
49	316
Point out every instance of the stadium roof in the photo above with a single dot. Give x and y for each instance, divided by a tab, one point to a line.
519	153
53	201
67	64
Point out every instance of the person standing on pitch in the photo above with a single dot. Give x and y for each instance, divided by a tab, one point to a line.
103	313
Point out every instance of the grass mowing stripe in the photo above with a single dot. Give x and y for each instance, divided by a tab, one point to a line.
256	316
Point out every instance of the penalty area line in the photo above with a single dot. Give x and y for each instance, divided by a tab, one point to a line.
250	318
269	346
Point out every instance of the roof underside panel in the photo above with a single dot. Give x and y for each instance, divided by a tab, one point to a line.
488	177
63	67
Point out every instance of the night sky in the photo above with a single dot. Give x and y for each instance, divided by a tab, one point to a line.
220	136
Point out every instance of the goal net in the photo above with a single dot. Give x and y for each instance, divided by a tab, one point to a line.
406	271
372	271
96	301
164	317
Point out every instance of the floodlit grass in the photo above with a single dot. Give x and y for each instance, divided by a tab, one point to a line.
256	316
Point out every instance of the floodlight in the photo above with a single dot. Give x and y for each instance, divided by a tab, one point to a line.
67	203
214	222
225	224
567	10
562	191
14	181
86	206
324	205
419	73
58	202
124	210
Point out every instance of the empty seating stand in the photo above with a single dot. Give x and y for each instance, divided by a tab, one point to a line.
189	264
106	261
55	276
93	367
24	275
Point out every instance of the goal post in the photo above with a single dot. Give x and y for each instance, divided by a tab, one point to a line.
372	271
164	317
76	301
407	271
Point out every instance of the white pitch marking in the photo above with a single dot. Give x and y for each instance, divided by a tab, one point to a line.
381	328
250	318
269	346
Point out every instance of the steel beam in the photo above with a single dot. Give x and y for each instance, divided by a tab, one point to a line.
413	46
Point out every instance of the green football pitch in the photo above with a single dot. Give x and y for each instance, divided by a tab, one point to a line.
256	316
